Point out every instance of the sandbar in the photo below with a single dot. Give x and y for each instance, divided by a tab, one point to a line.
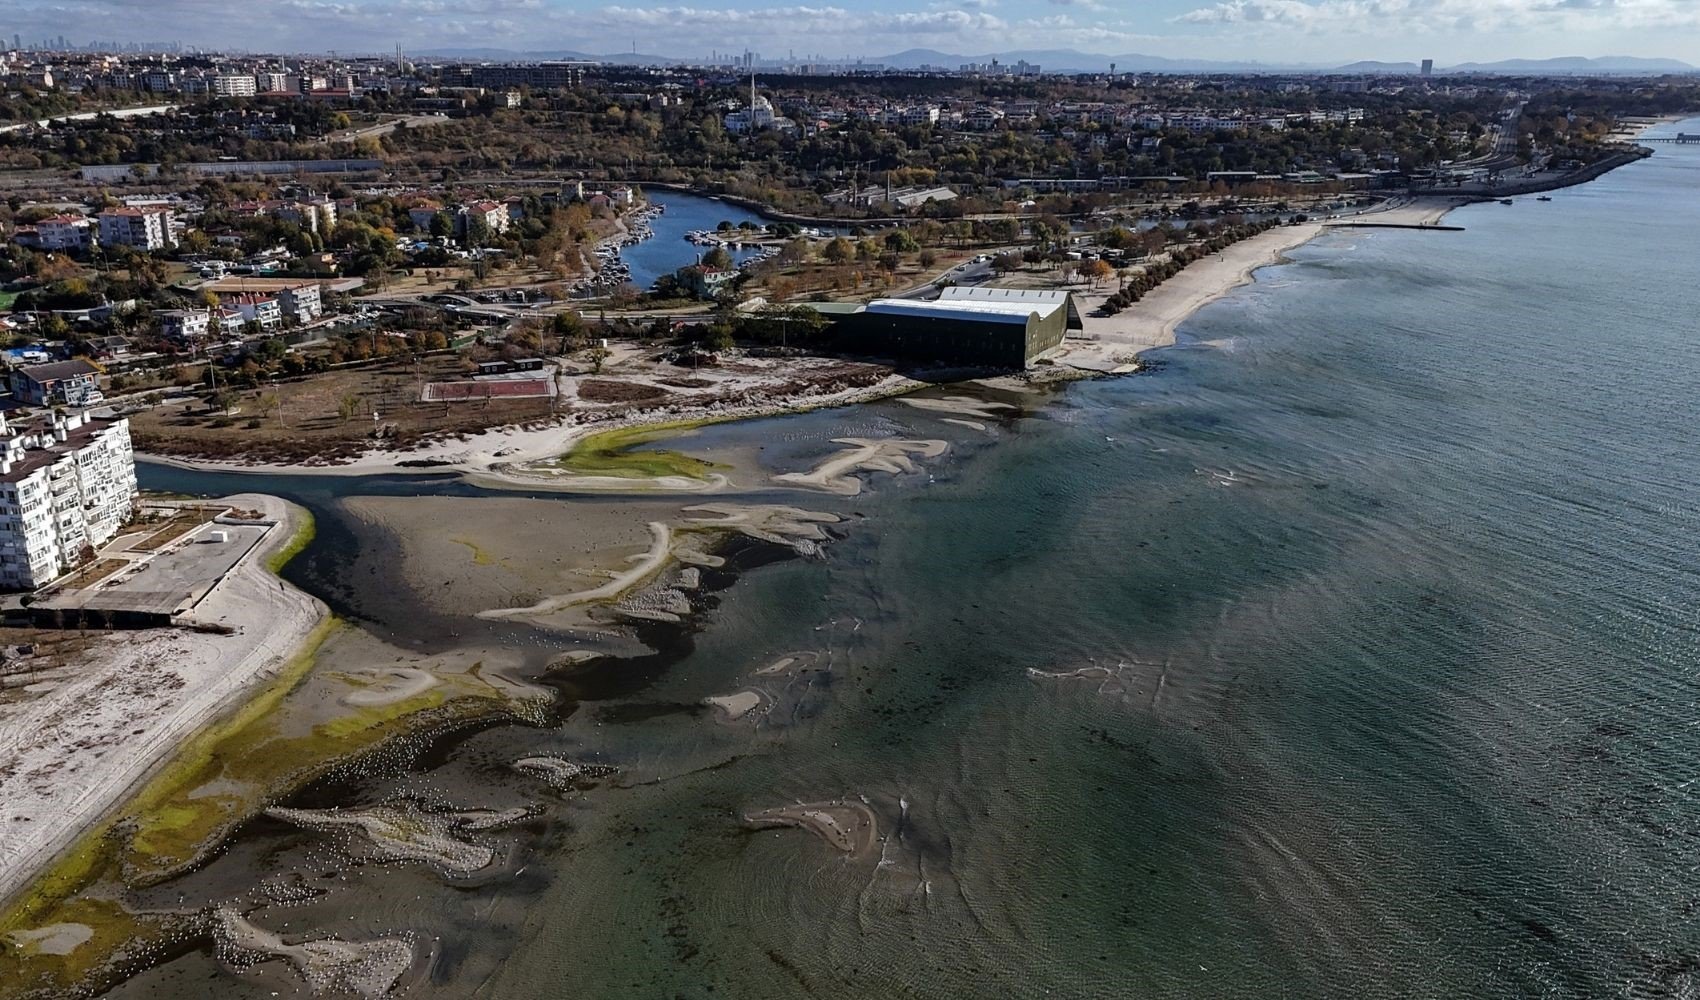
890	455
849	826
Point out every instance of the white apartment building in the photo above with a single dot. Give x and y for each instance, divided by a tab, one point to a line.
188	326
493	213
256	308
278	83
302	303
63	232
233	85
67	485
915	114
316	215
142	228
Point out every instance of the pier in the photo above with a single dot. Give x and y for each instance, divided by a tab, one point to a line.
1681	138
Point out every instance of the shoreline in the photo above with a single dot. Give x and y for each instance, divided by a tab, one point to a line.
1108	345
488	452
1112	344
81	753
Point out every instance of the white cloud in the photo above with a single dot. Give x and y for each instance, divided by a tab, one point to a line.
1430	17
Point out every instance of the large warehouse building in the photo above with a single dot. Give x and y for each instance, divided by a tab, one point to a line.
1000	327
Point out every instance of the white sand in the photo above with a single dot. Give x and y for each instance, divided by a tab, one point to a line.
1409	210
387	685
1110	343
74	754
327	965
498	452
736	705
647	565
891	455
402	831
851	827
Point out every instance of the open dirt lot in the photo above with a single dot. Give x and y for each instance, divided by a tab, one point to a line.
308	424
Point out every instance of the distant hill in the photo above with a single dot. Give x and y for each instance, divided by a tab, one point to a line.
1577	64
1372	66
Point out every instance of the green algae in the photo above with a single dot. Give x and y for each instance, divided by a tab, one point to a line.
613	453
300	540
479	556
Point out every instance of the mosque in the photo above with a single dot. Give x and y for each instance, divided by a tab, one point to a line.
759	116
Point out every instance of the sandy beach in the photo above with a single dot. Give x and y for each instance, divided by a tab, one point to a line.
73	753
1111	343
1407	210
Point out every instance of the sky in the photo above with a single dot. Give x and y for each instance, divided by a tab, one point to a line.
1270	31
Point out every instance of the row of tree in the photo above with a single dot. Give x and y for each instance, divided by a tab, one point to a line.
1151	275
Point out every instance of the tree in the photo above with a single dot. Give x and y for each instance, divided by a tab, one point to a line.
839	251
477	231
569	327
347	406
1004	263
598	357
718	259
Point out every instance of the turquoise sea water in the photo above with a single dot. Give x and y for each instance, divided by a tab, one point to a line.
1382	593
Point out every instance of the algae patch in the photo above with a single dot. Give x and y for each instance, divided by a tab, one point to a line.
303	537
616	453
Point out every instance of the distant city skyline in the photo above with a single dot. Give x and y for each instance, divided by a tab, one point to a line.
1277	32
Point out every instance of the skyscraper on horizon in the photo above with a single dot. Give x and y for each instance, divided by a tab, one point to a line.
1428	67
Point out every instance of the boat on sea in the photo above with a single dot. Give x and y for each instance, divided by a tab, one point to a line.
1505	201
1544	198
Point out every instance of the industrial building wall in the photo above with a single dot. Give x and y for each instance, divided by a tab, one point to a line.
950	340
1045	333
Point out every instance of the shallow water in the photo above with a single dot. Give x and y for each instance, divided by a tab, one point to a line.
1352	653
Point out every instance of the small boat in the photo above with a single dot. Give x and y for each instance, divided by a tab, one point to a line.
1543	198
1505	201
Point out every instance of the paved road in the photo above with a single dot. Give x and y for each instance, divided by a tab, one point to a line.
155	109
385	128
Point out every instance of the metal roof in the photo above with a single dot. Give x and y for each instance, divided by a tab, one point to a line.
960	294
980	293
987	312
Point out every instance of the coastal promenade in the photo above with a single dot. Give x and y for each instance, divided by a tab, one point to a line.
75	752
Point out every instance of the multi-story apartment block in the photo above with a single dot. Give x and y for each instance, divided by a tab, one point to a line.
233	85
63	232
278	83
257	308
537	76
493	213
316	215
142	228
67	485
301	303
